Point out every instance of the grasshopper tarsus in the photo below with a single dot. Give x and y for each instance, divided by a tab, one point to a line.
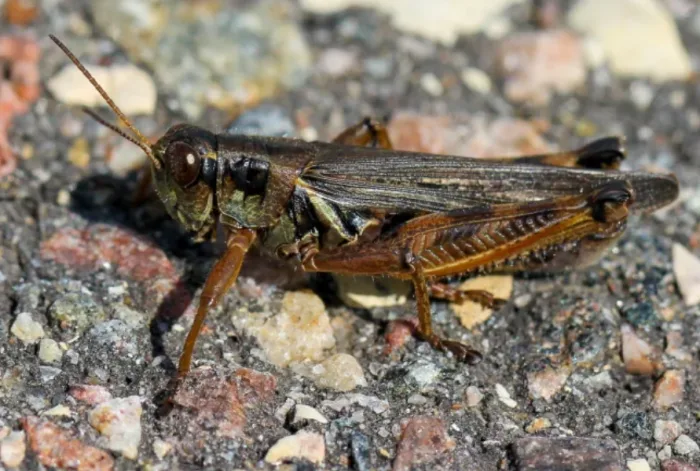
454	295
357	206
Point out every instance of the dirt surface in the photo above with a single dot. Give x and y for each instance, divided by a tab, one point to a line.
594	369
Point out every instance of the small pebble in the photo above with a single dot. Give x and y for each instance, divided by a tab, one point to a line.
370	292
636	353
302	331
686	267
303	412
91	394
535	64
129	86
471	313
422	440
119	421
302	445
504	396
666	431
56	447
58	411
432	85
161	448
686	446
474	396
424	373
676	465
13	449
538	424
336	62
640	464
570	453
665	453
27	329
50	351
546	383
79	153
477	80
649	37
341	372
669	390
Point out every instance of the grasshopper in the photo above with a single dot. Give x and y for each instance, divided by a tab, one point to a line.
356	206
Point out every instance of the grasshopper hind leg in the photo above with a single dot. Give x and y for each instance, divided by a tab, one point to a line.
454	295
425	326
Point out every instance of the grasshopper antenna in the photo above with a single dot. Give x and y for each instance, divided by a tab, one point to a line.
140	140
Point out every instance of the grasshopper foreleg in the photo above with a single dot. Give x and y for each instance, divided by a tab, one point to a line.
222	276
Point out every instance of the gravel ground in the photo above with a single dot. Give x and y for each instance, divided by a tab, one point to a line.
587	370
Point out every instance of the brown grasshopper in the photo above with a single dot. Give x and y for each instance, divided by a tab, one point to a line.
357	206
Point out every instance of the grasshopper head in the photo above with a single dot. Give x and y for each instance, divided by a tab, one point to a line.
183	163
184	173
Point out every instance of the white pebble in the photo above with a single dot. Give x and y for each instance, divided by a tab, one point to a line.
303	445
27	329
686	267
119	421
50	351
640	464
304	412
504	396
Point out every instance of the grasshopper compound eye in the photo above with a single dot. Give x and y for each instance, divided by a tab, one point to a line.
184	163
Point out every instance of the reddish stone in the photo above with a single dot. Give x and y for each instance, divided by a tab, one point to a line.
216	402
423	439
669	389
538	63
255	387
89	249
675	465
21	88
398	333
21	12
572	453
57	448
467	136
90	393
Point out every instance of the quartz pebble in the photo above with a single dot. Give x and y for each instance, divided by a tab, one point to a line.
636	35
27	329
367	292
302	445
341	372
161	448
50	351
13	449
303	412
504	396
639	464
546	383
441	20
474	396
686	267
131	87
301	331
471	313
119	421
